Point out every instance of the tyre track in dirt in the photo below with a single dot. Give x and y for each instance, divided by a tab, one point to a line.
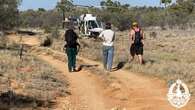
141	92
86	92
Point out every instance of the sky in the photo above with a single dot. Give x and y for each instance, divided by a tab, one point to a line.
50	4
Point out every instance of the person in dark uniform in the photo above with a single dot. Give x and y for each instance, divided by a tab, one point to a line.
71	48
137	42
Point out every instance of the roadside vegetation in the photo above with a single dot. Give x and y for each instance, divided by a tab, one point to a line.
175	15
28	83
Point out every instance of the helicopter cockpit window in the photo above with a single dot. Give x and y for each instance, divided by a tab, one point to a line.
93	24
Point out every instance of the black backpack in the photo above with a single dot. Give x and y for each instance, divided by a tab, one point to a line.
138	37
71	38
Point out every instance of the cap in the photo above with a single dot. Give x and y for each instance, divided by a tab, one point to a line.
134	24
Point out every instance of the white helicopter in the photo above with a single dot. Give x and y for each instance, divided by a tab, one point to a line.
89	26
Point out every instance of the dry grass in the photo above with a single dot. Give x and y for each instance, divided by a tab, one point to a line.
28	84
169	54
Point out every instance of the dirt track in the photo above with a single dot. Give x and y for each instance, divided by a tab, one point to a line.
129	92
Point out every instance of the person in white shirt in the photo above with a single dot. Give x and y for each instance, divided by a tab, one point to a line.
108	36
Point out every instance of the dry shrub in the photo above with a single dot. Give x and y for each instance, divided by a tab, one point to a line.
91	48
36	80
153	34
3	41
46	41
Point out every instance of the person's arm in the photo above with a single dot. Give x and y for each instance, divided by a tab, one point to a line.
114	37
143	37
76	35
78	47
132	36
77	41
101	36
66	35
142	34
65	39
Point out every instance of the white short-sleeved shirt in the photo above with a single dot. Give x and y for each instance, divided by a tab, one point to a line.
108	36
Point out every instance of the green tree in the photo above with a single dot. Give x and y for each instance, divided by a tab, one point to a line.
9	13
116	13
113	6
166	3
41	10
181	12
40	18
65	6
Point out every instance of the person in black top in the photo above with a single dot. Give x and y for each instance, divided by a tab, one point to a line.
71	48
137	44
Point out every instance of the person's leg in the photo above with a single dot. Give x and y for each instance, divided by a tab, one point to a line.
110	58
74	52
131	57
140	55
132	53
105	56
68	52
